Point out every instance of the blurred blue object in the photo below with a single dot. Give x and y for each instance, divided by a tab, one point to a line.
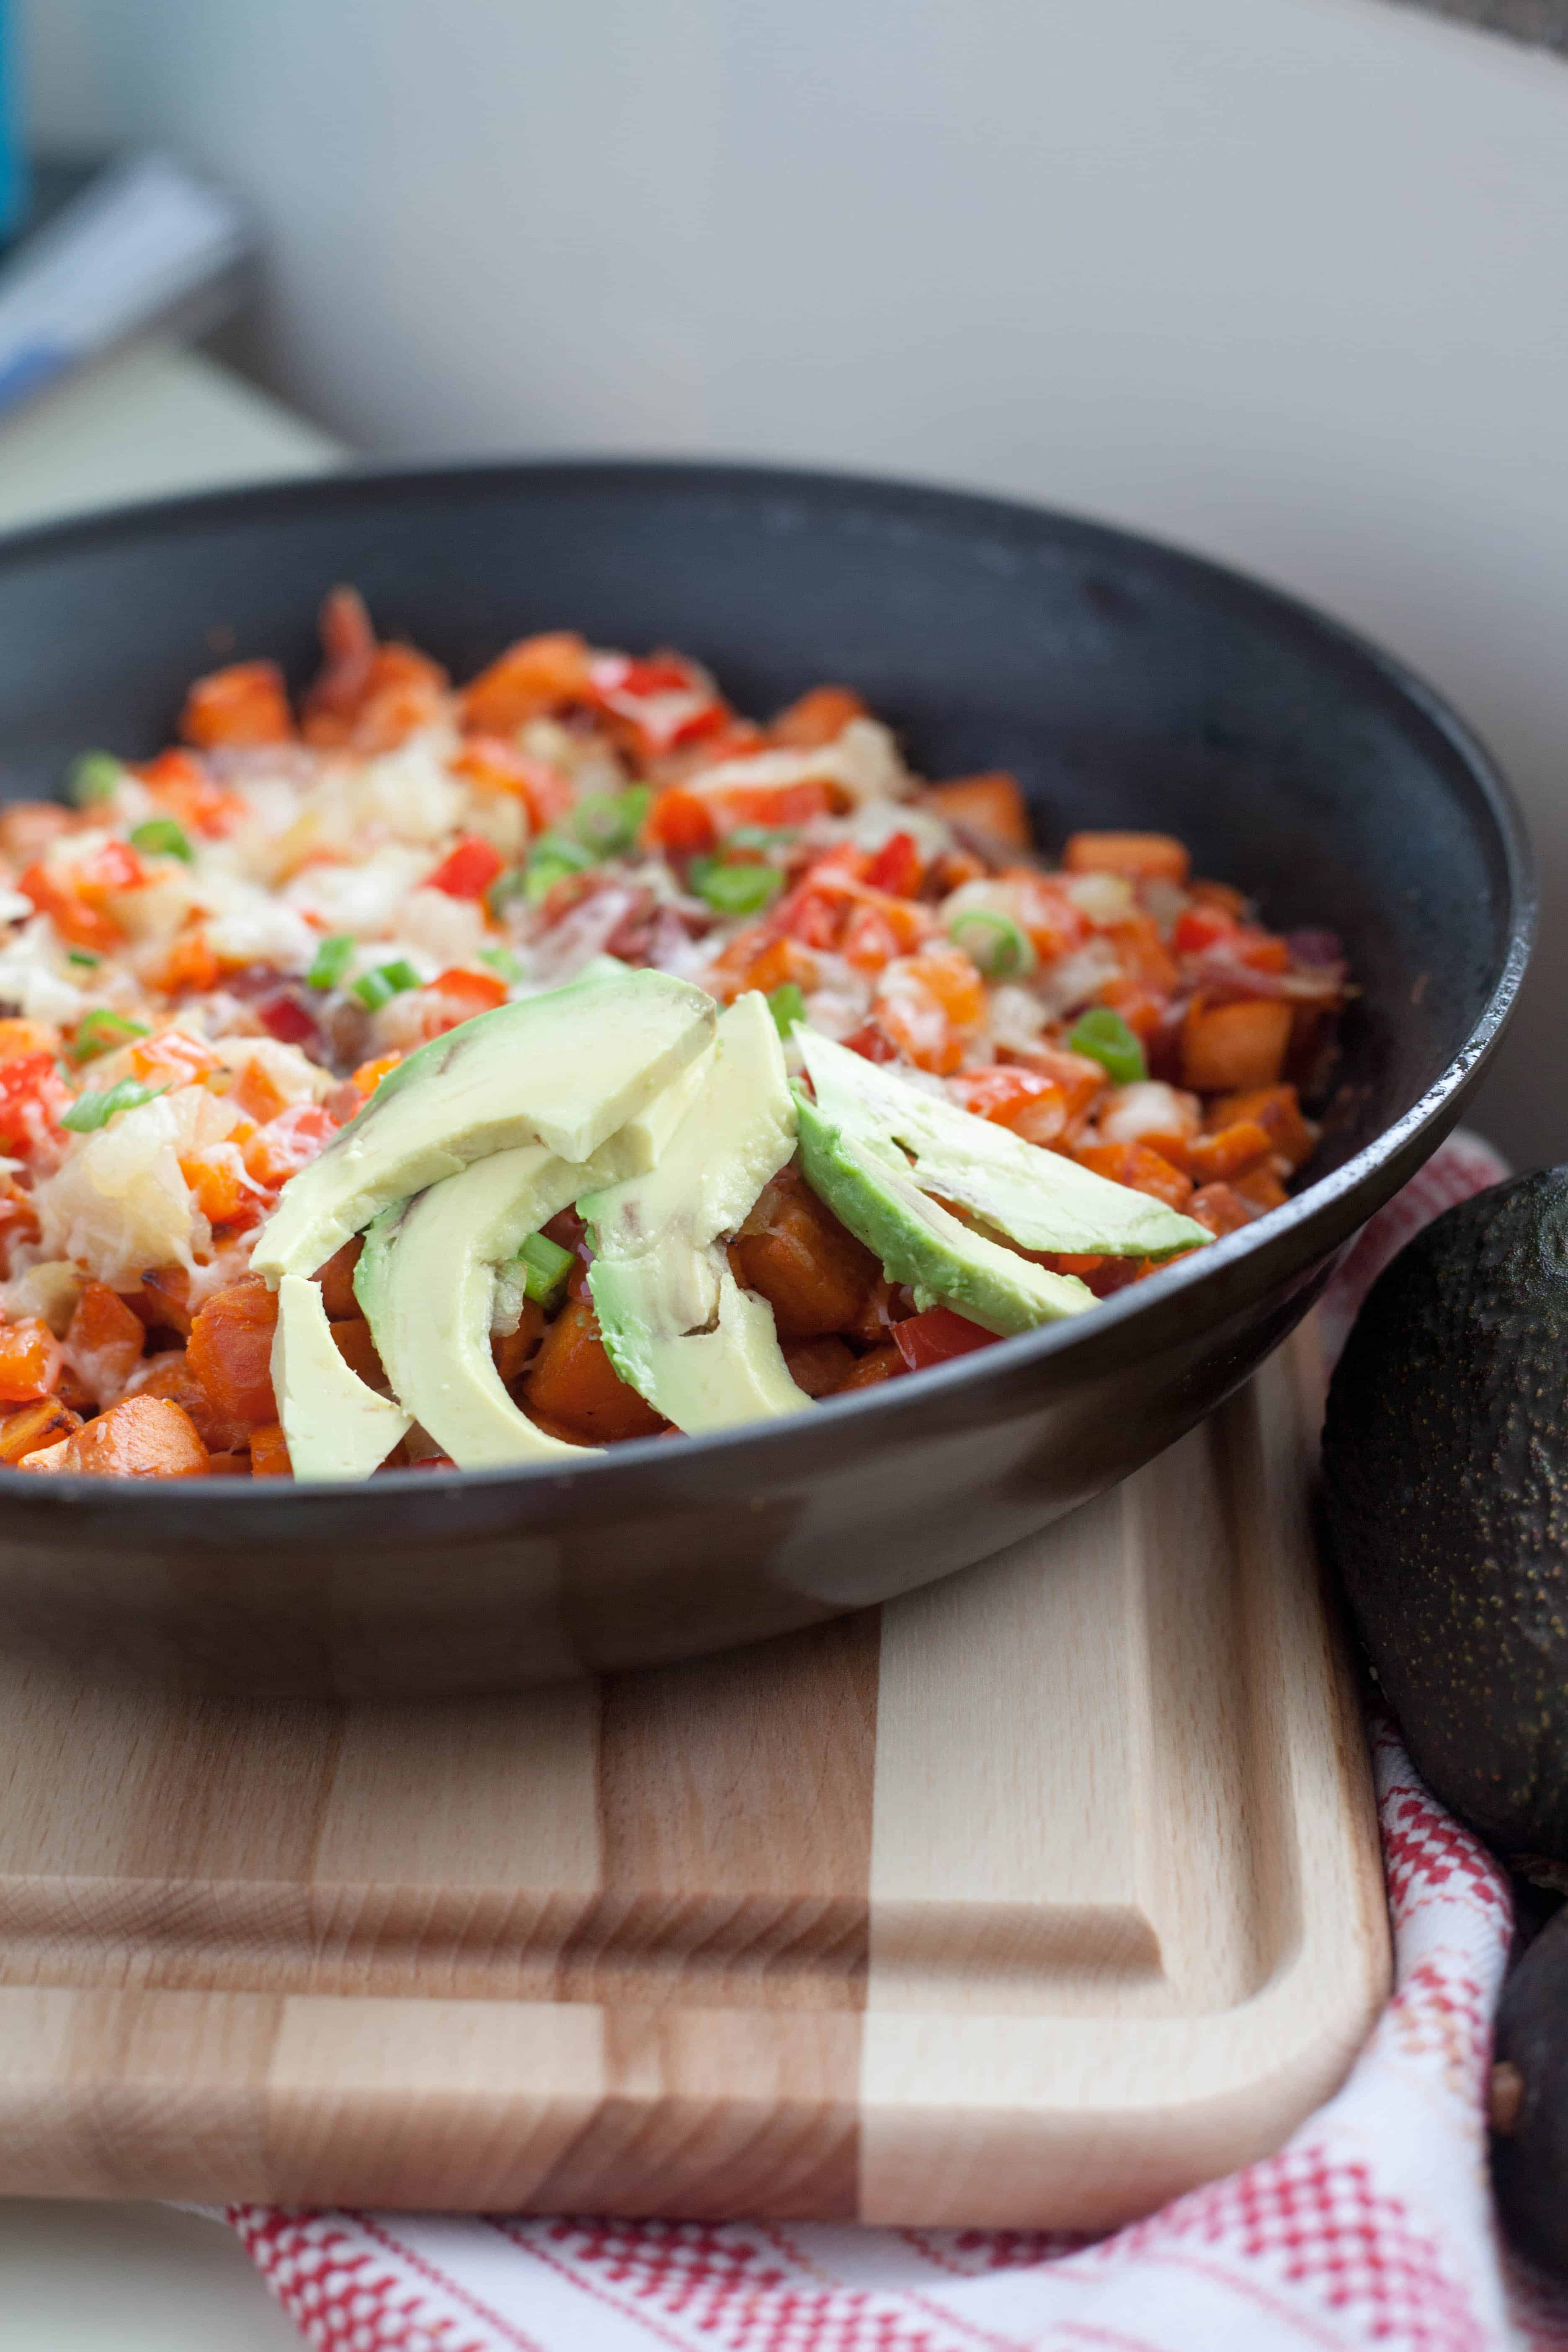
12	164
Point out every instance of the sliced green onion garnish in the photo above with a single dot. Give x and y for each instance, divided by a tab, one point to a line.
331	961
734	889
760	836
377	988
100	1032
88	1111
609	823
1105	1037
161	837
553	856
503	961
787	1006
1000	948
546	1267
84	956
94	777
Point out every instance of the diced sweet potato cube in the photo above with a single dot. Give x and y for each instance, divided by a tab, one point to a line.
1228	1047
20	1038
815	1276
104	1341
1142	856
164	1304
532	677
575	1386
47	1422
1144	1171
246	703
231	1349
992	805
1225	1154
1277	1110
818	1366
354	1345
172	1374
29	1360
269	1451
142	1437
883	1363
511	1351
818	718
1261	1188
1221	1208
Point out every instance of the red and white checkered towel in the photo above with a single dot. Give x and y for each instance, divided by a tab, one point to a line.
1371	2227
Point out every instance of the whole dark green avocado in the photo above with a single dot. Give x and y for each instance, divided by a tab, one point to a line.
1530	2101
1446	1490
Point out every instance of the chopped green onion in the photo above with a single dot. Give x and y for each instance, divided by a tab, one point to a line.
503	961
546	1267
1105	1037
511	884
787	1006
377	988
553	856
94	777
85	957
161	837
331	961
734	889
100	1032
609	823
760	836
1000	948
93	1110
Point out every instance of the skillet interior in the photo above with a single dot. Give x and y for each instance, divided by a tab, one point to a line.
1123	683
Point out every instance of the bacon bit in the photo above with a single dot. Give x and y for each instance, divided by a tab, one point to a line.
1141	857
181	785
104	1340
532	678
1144	1170
269	1451
33	1426
289	1018
467	870
817	719
29	1360
369	1075
190	968
288	1143
991	805
143	1437
246	703
491	764
231	1349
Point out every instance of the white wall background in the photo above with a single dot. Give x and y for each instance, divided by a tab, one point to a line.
1284	279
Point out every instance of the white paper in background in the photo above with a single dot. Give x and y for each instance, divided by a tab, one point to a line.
144	240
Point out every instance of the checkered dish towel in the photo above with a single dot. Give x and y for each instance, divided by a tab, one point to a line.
1372	2226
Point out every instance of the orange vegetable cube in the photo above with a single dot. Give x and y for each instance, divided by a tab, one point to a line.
1261	1188
782	960
1225	1154
511	1352
21	1038
1228	1047
104	1340
29	1360
33	1426
231	1349
1032	1105
1219	1208
991	805
246	703
269	1451
1142	856
885	1362
337	1281
818	1366
574	1385
1134	1165
818	719
532	678
1277	1110
793	1252
142	1437
217	1178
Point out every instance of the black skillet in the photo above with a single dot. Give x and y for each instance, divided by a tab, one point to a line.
1124	684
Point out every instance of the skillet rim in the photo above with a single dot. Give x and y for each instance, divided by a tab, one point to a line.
1321	1217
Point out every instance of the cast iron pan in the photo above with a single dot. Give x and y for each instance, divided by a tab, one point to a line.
1126	685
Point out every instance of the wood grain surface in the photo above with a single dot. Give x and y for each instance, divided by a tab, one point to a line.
1029	1901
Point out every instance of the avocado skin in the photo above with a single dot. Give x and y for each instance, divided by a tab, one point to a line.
1445	1491
1530	2167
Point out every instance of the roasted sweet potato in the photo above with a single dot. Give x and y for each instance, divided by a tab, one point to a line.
819	716
816	1276
818	1366
575	1386
172	1374
1277	1110
1141	857
269	1451
143	1437
104	1342
1229	1047
532	677
883	1363
1144	1171
991	805
231	1348
29	1360
511	1351
246	703
357	1349
33	1426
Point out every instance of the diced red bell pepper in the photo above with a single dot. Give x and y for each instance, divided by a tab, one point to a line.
680	822
937	1336
897	867
467	870
33	1096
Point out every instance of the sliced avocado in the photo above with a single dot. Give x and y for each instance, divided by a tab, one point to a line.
1037	1198
676	1324
567	1069
336	1427
924	1244
426	1279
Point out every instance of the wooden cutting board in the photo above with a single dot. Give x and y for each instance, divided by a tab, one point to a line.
1031	1900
